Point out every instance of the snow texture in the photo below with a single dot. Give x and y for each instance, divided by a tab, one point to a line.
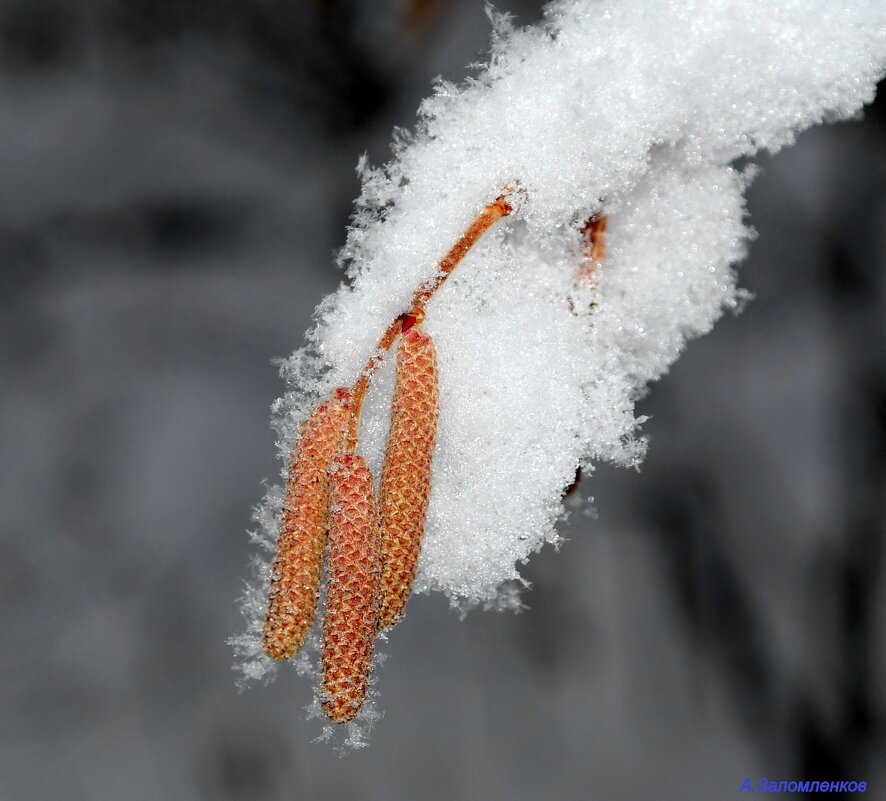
638	108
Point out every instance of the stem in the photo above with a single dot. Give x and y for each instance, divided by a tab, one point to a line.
594	231
358	393
490	214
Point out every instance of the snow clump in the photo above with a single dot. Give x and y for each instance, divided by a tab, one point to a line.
639	109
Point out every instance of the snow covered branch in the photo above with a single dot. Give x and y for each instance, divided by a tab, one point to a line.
627	112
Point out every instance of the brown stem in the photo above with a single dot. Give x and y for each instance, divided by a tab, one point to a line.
358	393
594	231
490	214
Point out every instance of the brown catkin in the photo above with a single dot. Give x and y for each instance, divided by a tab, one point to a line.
295	577
352	577
406	475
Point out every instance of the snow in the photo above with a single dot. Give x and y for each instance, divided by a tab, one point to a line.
638	108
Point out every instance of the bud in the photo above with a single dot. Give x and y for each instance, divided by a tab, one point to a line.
295	578
406	475
352	576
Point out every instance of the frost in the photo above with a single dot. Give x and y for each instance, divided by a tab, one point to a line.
639	108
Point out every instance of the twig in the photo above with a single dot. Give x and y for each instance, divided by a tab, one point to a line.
490	215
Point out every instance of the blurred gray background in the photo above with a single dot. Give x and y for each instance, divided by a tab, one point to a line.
174	178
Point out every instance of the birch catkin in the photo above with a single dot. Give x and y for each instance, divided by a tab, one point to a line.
352	578
406	475
295	576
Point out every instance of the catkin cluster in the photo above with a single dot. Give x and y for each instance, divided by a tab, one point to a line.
330	505
372	549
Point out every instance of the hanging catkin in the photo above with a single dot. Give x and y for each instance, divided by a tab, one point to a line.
406	475
352	579
295	577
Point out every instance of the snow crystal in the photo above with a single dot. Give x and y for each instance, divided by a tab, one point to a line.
636	108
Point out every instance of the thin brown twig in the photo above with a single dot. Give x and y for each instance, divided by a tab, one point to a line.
594	231
490	214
